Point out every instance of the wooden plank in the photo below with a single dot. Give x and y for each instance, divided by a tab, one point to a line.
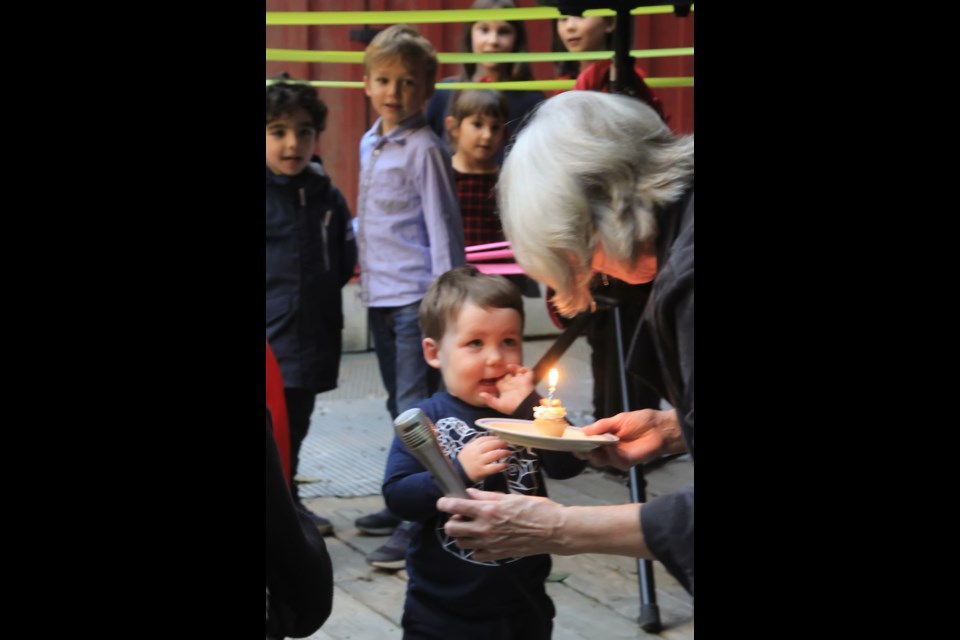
379	592
682	631
613	581
583	618
342	512
353	620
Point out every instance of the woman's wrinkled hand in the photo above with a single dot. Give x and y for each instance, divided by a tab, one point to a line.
644	435
500	525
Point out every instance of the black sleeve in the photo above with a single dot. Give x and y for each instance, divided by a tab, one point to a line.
298	568
667	523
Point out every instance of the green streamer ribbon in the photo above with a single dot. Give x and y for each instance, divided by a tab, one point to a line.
356	57
289	18
532	85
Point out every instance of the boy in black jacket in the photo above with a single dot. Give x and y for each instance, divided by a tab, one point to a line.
311	255
473	327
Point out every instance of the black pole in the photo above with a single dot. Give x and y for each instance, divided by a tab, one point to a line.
622	37
622	82
560	346
649	611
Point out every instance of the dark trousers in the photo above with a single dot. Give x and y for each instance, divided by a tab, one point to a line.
421	622
399	347
607	398
300	404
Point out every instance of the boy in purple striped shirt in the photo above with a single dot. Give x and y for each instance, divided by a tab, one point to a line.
409	230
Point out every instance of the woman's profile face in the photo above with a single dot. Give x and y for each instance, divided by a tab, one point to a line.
644	270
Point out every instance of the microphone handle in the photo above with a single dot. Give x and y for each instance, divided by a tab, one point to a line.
417	433
441	468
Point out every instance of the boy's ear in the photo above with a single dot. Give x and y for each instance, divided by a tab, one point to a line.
366	85
431	352
450	124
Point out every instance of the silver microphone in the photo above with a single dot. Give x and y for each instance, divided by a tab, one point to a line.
416	431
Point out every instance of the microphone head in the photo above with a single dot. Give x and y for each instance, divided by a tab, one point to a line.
414	428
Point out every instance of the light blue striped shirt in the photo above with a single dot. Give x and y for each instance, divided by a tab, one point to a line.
410	230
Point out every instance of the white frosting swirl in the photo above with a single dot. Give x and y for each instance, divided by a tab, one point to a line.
549	413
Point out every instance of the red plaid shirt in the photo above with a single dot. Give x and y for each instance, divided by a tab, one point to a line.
478	205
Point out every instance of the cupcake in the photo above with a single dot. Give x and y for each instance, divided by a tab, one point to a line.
550	418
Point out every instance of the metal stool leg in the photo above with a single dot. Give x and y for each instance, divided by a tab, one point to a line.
649	618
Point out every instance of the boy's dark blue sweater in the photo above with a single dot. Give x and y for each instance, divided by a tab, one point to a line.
440	573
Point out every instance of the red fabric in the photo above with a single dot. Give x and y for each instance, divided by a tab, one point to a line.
596	77
278	411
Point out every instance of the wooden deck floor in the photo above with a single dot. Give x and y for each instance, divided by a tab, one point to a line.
597	599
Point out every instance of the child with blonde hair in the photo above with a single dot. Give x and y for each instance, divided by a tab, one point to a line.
409	230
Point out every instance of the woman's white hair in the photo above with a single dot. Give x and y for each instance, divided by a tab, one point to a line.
588	168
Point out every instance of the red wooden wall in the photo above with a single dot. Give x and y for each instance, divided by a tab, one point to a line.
350	115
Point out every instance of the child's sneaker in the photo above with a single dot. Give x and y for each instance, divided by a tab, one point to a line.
392	554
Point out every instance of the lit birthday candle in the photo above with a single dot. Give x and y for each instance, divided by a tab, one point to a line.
549	418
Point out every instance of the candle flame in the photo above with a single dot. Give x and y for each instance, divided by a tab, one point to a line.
552	377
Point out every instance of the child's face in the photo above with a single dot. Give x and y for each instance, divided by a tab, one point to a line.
396	92
291	139
475	351
492	36
479	137
583	34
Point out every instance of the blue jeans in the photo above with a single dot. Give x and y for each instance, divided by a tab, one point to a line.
398	344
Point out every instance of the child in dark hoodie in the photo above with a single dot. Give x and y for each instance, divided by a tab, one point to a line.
311	255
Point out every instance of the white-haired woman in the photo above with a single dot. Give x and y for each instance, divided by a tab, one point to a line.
597	183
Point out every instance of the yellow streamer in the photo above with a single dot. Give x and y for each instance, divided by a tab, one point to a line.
533	85
289	18
356	57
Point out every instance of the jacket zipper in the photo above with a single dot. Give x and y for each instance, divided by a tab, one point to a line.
326	247
323	229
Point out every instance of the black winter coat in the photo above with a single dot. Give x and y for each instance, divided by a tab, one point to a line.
311	254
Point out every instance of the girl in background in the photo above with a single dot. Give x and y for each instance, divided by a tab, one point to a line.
580	34
476	129
491	36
